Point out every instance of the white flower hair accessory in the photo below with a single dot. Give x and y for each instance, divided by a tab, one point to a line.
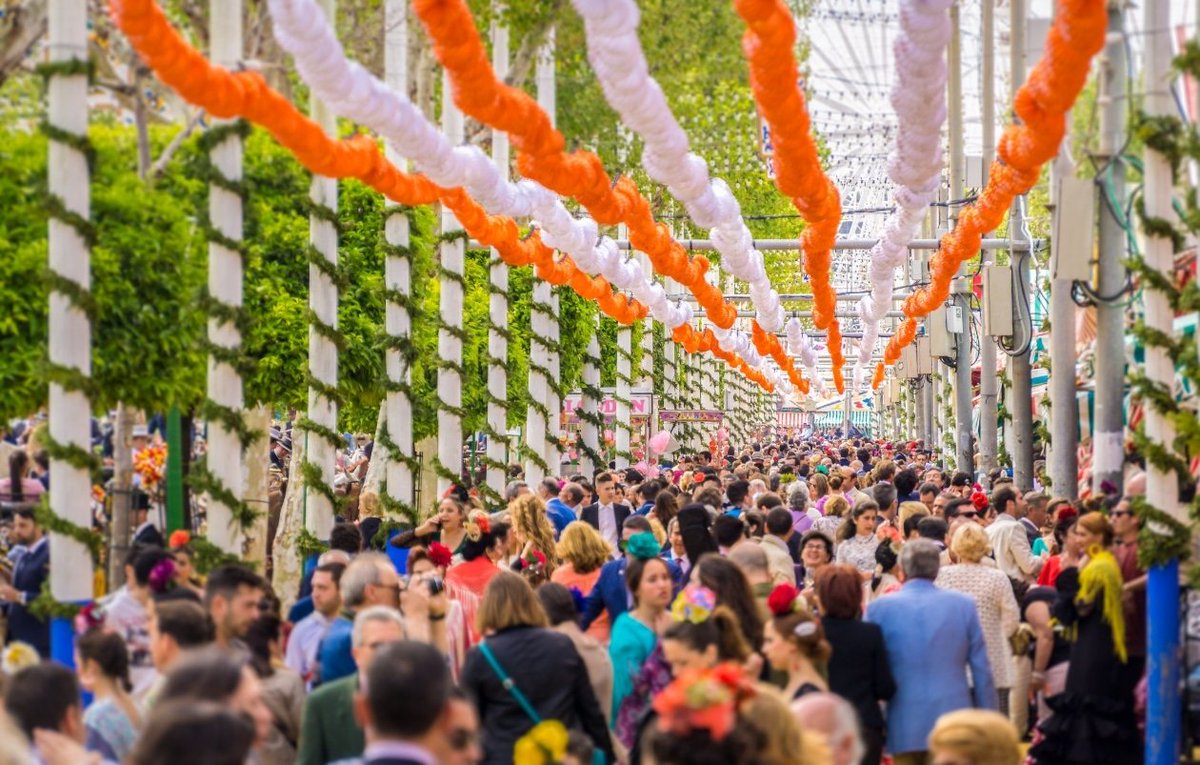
805	629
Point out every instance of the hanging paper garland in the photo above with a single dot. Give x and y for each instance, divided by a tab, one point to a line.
769	43
349	90
619	62
226	94
915	166
1041	104
578	174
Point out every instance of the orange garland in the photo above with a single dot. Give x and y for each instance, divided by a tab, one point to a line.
1041	104
226	94
768	43
579	174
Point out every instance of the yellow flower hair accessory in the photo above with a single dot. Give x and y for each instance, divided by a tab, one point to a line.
17	656
546	744
694	604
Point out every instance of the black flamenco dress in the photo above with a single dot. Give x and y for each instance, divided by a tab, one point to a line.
1093	719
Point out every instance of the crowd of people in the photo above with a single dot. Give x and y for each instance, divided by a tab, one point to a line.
805	599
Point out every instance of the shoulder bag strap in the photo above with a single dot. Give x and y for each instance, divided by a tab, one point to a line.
508	683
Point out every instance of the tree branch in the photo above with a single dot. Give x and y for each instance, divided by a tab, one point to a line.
164	159
26	23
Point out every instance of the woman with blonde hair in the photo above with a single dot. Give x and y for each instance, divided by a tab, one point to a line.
833	509
535	534
583	553
782	740
994	601
974	737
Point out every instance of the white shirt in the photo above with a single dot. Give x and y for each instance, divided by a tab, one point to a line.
1010	546
303	644
607	520
126	616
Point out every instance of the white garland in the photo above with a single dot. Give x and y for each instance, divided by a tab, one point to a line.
801	346
619	62
302	29
915	165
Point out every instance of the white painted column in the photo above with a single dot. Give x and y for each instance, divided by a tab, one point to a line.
623	427
589	410
398	281
70	345
497	381
450	306
225	393
319	509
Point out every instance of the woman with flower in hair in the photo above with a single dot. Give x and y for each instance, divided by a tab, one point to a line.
535	534
637	666
583	553
461	605
794	642
128	615
702	634
699	722
482	549
448	526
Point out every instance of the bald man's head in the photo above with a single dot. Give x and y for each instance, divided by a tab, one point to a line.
835	719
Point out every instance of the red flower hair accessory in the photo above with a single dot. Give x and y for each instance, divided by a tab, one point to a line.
440	555
702	699
782	600
484	523
979	500
179	538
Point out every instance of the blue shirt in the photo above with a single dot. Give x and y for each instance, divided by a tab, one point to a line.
334	655
559	514
645	509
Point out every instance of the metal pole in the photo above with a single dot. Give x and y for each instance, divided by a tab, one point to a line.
1163	713
1019	370
1063	465
964	452
989	386
1109	437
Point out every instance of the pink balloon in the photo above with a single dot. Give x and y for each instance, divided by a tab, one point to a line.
659	442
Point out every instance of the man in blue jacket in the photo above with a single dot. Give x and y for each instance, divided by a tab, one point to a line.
30	573
929	654
611	593
563	503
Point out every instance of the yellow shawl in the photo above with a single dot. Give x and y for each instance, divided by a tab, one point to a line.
1101	579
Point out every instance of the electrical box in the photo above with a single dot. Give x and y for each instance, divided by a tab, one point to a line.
974	171
997	301
954	319
940	342
924	357
907	365
1073	235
